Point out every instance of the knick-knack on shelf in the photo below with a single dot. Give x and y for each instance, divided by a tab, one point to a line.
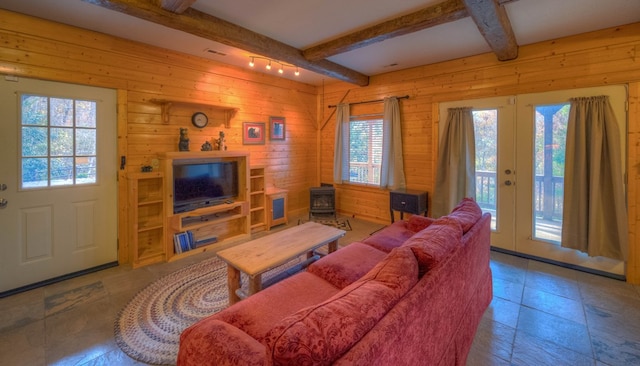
220	144
183	145
206	146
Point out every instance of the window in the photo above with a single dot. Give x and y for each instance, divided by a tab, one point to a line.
365	151
58	141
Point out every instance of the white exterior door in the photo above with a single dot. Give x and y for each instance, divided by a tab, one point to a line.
512	140
58	187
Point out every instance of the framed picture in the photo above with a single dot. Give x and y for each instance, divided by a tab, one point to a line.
276	128
253	133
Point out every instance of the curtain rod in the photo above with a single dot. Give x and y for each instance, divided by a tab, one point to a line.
370	101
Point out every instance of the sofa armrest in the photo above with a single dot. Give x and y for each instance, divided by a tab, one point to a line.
213	342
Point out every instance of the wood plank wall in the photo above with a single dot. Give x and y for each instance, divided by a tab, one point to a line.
142	73
36	48
607	57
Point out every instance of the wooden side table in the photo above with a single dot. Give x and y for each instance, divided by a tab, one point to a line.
410	201
276	207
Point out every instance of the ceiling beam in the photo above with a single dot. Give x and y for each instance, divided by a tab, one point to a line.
209	27
447	11
493	22
176	6
431	16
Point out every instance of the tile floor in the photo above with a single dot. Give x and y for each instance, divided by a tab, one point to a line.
540	315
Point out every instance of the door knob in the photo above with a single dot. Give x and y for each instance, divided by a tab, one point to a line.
507	183
507	172
3	187
3	203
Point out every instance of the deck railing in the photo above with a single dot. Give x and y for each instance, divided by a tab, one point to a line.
548	206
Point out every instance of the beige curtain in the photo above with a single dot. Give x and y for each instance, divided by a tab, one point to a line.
340	169
595	217
456	174
392	165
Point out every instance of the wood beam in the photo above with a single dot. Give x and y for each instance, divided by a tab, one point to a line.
493	22
218	30
431	16
176	6
447	11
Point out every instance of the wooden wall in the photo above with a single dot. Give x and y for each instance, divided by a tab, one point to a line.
606	57
35	48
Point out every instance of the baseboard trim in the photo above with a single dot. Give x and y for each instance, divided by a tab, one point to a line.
57	279
561	264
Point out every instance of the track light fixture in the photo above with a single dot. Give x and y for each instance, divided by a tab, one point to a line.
252	63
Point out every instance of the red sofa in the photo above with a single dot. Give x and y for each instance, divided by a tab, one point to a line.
411	294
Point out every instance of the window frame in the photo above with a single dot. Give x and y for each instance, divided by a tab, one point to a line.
371	119
75	154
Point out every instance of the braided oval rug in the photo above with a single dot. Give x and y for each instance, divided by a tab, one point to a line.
148	328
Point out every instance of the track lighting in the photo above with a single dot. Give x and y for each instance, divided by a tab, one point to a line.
252	63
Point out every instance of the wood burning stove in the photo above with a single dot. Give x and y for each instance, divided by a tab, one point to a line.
322	201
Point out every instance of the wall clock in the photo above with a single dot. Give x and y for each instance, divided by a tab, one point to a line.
199	119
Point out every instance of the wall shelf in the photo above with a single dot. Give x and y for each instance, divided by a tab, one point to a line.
166	105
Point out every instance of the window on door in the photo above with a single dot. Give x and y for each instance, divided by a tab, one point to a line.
548	164
58	141
365	151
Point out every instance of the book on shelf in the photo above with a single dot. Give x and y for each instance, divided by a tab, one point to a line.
183	242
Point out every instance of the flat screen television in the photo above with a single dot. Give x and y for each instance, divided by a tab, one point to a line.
198	184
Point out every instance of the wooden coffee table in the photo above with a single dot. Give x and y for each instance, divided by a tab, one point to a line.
260	255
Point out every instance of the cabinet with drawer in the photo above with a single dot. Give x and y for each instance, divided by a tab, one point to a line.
406	200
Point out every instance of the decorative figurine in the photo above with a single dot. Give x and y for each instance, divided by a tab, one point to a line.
183	145
220	144
206	146
146	168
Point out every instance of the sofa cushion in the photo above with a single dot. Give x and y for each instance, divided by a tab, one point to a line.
467	212
345	266
433	244
418	223
320	334
257	314
390	237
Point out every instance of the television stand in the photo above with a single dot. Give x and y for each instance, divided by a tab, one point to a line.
219	225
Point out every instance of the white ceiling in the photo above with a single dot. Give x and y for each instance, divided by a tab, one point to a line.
303	24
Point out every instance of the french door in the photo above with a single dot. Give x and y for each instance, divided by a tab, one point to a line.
58	188
520	150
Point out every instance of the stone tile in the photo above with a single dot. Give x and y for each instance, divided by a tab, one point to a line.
554	284
610	301
493	339
21	309
113	358
503	311
534	351
626	325
613	349
80	334
69	299
508	290
23	345
508	267
128	282
552	329
553	304
553	270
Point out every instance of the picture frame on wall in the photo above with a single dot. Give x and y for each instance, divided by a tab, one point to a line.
253	133
277	128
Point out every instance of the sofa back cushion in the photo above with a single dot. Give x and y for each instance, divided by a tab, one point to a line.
467	212
432	245
418	223
320	334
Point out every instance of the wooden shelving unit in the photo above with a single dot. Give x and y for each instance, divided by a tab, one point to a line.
257	193
146	214
213	227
